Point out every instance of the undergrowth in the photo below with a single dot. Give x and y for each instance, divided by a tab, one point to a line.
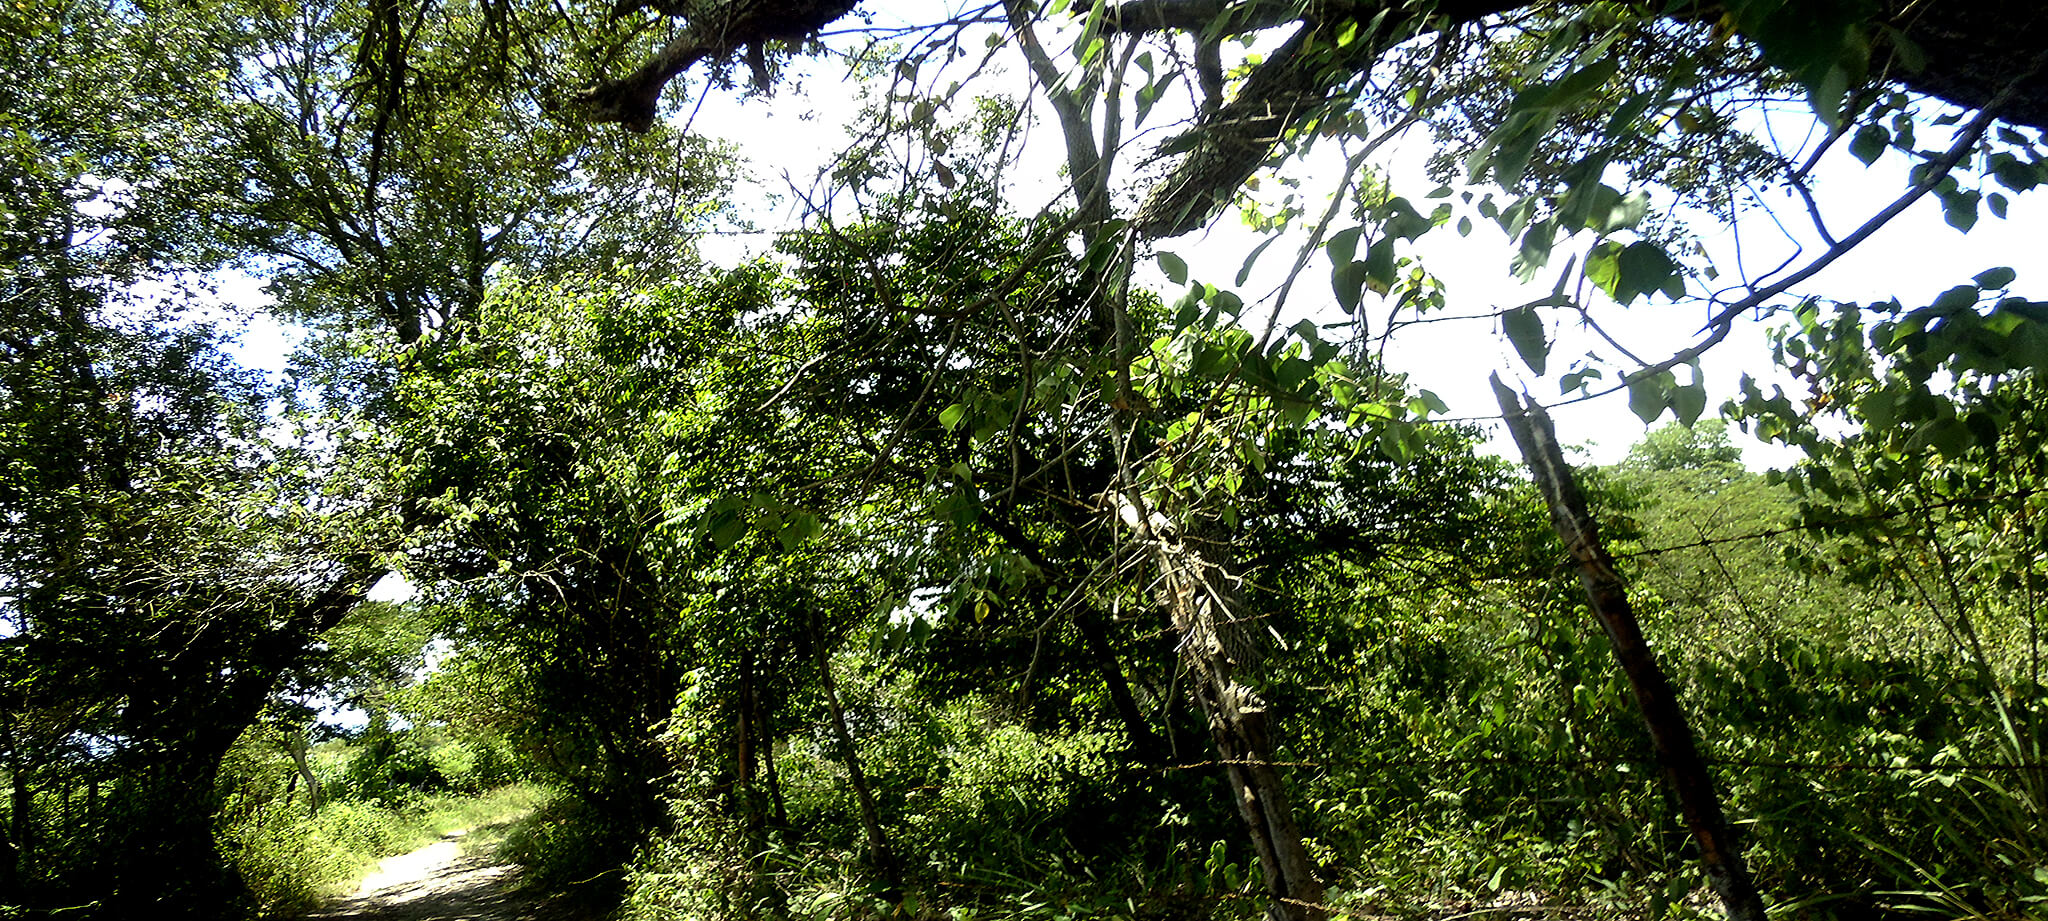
293	861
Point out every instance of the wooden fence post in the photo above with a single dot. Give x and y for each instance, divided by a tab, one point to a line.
1670	733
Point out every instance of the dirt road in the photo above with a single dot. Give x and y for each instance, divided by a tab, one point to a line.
441	883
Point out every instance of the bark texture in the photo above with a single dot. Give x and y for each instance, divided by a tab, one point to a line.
717	31
1670	733
1217	646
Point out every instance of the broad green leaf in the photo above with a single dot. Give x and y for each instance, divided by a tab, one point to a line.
1688	402
1577	85
1343	245
1950	437
1348	283
1625	213
1646	397
1291	372
1517	143
727	527
1534	253
1904	50
1960	297
801	527
1524	328
1175	267
2014	173
1994	279
1827	93
1403	221
1642	267
1959	209
1380	266
950	416
1603	267
1869	143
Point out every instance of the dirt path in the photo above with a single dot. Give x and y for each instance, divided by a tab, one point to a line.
441	883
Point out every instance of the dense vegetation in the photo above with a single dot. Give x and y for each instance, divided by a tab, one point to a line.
956	557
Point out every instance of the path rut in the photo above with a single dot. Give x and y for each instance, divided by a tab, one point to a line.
441	883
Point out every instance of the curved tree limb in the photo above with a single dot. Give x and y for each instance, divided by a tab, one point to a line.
717	33
1969	52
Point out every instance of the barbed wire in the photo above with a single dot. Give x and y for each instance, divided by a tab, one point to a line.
1564	567
1108	771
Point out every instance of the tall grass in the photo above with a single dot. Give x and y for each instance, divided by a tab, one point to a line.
292	861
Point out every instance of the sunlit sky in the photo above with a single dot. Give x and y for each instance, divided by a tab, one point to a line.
789	137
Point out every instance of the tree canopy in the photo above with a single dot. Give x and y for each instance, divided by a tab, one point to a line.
964	553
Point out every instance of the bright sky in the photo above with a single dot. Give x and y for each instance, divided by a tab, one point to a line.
1914	258
788	138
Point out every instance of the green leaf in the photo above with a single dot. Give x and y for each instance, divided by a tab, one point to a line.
1950	437
2014	173
1175	267
1403	221
1524	328
1905	51
950	416
1245	271
1646	397
1643	267
1226	302
1688	402
1348	283
1994	279
1624	213
1827	93
1343	245
1380	266
1510	156
1869	143
801	527
1291	372
1575	86
1534	253
1603	268
727	527
1960	297
1959	209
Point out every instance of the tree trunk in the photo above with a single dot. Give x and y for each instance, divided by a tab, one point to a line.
298	745
1144	742
1670	733
870	818
21	813
1201	600
164	862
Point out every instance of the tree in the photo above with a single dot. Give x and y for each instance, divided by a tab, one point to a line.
668	500
1622	78
162	564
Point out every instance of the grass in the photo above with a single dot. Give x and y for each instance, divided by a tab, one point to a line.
293	862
